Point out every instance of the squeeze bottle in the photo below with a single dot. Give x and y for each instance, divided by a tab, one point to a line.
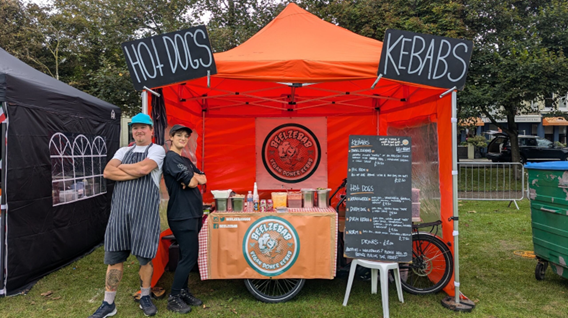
255	198
249	202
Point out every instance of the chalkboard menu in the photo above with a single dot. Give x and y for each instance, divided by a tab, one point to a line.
378	217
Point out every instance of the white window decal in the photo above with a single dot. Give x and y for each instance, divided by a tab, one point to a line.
77	164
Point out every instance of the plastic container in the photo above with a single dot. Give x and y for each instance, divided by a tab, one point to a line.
238	203
221	205
67	196
547	191
279	199
221	198
415	210
415	195
323	195
221	194
309	196
295	199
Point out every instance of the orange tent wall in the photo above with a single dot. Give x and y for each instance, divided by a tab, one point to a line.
230	156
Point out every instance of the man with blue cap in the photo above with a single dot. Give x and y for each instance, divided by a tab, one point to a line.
134	222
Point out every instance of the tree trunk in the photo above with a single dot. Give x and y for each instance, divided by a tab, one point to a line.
513	132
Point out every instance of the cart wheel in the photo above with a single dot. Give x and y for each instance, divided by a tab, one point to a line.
274	290
540	270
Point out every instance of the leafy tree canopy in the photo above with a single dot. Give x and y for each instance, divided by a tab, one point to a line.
519	57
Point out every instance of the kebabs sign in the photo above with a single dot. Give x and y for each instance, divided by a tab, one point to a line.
169	58
425	59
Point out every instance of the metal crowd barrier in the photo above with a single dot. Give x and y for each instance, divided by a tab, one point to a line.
491	181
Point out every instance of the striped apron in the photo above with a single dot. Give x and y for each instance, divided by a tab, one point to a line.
134	223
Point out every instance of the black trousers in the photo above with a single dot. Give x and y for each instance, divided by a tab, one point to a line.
186	233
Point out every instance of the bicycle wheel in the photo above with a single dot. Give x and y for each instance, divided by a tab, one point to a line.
274	290
431	268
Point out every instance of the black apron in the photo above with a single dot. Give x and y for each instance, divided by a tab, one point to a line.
134	223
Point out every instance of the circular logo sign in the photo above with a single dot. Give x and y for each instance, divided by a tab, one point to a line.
291	153
271	246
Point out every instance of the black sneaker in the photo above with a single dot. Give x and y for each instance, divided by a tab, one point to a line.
105	310
176	304
189	298
147	306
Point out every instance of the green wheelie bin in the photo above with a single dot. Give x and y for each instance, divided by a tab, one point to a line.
548	192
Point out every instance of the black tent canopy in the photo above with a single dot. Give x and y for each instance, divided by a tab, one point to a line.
55	144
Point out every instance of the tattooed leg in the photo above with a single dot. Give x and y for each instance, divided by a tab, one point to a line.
146	275
113	277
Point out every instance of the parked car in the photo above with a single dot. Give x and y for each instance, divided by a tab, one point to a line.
532	148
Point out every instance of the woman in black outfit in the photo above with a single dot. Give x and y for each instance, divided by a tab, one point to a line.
185	211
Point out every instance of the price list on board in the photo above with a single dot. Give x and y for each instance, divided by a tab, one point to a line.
378	216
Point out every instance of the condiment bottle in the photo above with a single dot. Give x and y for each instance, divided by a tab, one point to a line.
249	202
255	198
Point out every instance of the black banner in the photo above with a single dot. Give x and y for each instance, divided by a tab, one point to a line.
378	217
169	58
425	59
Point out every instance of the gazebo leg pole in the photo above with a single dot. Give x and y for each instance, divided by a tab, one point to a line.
144	102
454	303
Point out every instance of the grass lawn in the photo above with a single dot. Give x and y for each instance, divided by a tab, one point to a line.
502	283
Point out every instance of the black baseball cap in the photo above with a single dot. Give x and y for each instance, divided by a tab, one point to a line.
177	128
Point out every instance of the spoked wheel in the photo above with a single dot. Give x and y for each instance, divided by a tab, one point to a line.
431	268
274	290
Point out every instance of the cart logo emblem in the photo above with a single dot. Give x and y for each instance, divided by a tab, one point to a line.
291	153
271	246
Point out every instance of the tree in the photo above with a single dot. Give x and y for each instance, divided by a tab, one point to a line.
371	18
232	22
19	37
519	57
101	69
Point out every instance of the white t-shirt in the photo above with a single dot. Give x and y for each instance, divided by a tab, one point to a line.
156	153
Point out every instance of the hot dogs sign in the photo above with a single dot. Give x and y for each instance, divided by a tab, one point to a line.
169	58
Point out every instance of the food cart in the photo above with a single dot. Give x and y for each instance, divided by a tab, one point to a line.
319	79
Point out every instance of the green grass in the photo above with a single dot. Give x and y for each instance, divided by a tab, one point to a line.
502	284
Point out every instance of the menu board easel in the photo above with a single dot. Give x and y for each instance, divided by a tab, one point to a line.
378	217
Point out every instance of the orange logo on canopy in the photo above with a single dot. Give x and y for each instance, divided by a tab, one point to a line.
291	153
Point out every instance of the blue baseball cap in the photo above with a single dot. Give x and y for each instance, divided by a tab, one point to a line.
141	118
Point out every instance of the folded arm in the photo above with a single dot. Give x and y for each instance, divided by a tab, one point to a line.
201	178
139	169
112	172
